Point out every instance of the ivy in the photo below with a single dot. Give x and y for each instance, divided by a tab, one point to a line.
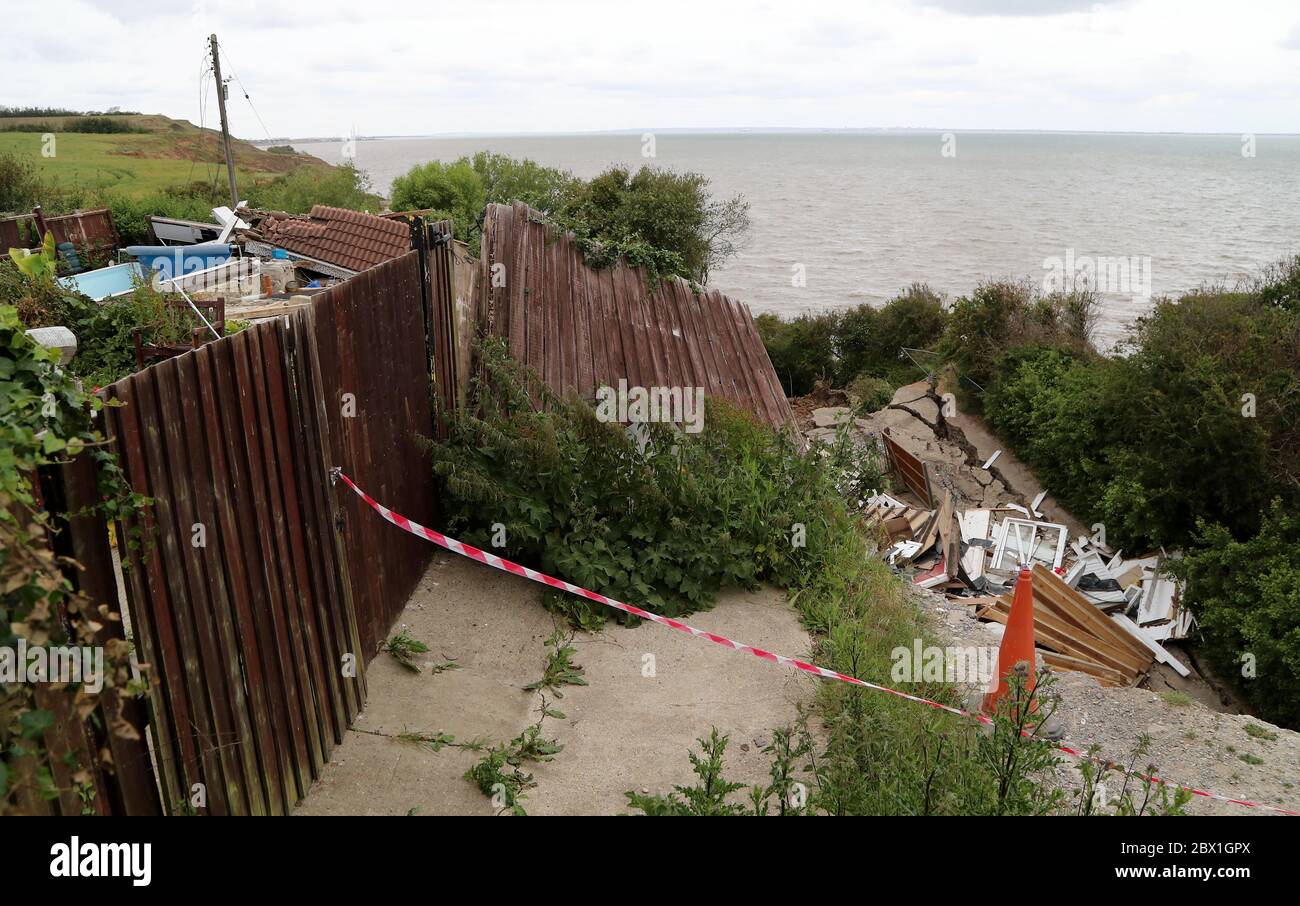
46	418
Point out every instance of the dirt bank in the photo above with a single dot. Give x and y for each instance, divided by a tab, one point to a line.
624	730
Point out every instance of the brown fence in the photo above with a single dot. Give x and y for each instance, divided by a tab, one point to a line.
92	231
581	328
258	594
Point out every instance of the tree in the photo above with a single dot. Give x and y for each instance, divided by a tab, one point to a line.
669	212
454	191
507	180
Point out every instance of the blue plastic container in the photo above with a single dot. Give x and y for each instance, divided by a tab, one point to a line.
178	260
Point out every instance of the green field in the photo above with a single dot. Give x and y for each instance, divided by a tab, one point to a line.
173	153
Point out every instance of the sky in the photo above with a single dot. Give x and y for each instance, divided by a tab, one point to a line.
401	67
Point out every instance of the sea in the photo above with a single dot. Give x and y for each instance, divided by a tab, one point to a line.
842	218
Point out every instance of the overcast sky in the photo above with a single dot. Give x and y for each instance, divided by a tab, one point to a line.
386	67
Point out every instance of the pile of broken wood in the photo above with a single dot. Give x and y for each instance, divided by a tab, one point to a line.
1094	612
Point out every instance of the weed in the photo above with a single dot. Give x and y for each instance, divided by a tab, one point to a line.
1259	732
434	742
499	775
1250	759
403	647
1176	699
708	797
560	669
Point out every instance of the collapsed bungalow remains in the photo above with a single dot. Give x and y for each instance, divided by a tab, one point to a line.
1095	611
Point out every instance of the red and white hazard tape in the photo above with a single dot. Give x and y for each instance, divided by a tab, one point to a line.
482	556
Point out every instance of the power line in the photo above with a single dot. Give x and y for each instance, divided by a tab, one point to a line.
244	90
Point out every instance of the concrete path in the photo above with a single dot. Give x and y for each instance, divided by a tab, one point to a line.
624	730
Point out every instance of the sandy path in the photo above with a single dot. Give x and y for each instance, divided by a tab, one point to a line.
624	730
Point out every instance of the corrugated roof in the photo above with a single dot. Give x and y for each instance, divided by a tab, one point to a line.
346	238
581	328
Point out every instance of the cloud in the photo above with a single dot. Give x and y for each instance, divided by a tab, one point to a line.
570	65
1014	7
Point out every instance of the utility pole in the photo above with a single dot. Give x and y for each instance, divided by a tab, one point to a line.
225	126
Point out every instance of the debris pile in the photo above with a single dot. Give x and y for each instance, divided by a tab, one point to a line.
954	526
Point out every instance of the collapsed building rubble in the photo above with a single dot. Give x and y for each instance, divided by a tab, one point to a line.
954	525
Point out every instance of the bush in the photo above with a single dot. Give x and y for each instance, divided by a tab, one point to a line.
664	221
1153	439
663	210
802	350
298	191
21	187
131	214
1244	594
870	394
999	315
665	526
452	191
871	339
1279	285
507	180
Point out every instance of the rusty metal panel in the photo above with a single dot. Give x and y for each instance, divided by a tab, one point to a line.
94	230
580	328
369	333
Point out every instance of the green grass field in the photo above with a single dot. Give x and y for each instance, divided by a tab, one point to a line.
137	164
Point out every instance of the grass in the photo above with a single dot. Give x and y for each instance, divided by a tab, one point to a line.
1259	732
139	164
1176	699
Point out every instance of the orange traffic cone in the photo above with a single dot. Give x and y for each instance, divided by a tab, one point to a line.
1017	643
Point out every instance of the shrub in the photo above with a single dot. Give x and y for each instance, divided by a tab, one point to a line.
870	340
1279	285
1244	594
1001	314
802	350
664	525
664	211
452	190
298	191
21	187
507	180
870	394
189	202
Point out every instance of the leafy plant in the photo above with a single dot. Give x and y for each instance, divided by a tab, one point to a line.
46	418
39	265
664	525
404	648
560	669
707	797
499	774
1243	594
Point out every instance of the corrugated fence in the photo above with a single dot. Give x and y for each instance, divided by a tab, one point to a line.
582	328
